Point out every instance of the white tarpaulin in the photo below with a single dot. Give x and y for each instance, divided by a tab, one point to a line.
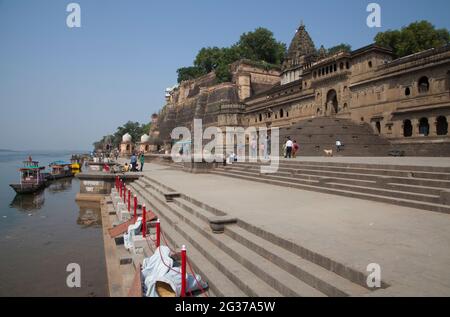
159	268
132	231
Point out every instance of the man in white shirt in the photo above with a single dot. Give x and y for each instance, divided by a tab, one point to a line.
289	145
338	145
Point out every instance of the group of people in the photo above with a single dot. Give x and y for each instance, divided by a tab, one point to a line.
291	148
134	166
264	147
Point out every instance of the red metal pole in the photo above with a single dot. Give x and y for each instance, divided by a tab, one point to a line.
129	200
144	224
120	188
135	207
183	271
158	233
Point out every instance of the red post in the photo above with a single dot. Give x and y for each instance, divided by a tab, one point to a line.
183	271
144	221
135	207
129	200
120	188
158	233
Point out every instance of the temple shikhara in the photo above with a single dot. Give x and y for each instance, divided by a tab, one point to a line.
366	98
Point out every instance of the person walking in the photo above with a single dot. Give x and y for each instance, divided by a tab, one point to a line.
295	149
289	145
133	162
142	161
254	147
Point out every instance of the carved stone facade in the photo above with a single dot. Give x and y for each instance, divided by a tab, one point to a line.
405	100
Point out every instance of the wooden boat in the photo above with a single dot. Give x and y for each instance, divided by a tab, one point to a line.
60	169
32	179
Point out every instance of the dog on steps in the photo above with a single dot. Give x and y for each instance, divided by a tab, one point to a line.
328	152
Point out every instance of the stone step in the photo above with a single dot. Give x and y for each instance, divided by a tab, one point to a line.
246	280
323	189
359	171
334	183
217	281
377	183
314	275
274	276
317	175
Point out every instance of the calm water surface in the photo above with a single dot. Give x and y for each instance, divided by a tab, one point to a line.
41	234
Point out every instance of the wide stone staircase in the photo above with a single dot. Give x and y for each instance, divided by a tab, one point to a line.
422	187
319	134
244	260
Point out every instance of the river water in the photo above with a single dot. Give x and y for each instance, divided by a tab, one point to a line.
40	235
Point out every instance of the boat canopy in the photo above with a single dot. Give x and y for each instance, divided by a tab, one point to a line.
59	163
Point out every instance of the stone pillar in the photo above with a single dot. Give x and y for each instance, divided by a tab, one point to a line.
415	126
433	126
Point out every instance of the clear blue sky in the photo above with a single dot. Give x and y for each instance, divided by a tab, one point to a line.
64	88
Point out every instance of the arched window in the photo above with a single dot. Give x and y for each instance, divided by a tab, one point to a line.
281	113
424	127
424	85
441	126
260	117
378	126
407	128
347	65
341	66
407	91
128	147
370	64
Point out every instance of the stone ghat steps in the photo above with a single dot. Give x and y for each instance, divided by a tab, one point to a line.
428	194
332	186
256	265
318	134
436	180
365	166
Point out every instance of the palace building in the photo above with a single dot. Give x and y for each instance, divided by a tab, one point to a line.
366	98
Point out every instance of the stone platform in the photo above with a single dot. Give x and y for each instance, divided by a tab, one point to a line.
322	242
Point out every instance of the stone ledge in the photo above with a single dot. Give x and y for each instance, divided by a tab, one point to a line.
171	195
218	223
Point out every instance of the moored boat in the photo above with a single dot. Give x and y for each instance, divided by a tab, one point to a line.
32	179
60	169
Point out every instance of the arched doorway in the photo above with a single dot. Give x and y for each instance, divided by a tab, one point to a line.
332	106
378	126
424	127
441	126
407	128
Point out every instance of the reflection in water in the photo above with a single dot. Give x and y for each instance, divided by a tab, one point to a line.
90	214
60	185
28	203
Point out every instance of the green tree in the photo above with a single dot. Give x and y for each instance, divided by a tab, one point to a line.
416	37
188	73
208	59
260	45
341	47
